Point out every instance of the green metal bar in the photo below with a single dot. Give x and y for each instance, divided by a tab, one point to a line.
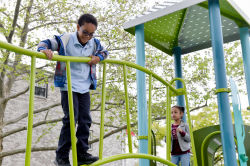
142	137
102	110
204	142
168	126
228	90
203	145
190	127
83	59
31	110
127	109
149	113
71	115
131	155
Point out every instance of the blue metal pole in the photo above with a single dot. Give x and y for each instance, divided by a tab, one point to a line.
178	73
141	95
245	46
226	126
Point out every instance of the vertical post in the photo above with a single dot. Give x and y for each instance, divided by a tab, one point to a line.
127	109
31	110
102	110
168	125
226	126
149	113
71	115
141	94
178	74
245	46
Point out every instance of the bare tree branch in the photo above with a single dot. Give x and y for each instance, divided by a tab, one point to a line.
17	94
196	108
42	110
42	123
34	149
14	23
25	127
50	23
21	92
97	123
35	112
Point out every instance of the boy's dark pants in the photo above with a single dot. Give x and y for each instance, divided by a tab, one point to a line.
81	104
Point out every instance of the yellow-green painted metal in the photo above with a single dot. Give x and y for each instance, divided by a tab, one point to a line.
40	55
205	141
131	155
171	91
149	113
127	109
188	118
102	110
31	110
228	90
168	125
71	115
142	137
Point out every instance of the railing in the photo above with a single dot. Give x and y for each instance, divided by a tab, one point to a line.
171	91
205	144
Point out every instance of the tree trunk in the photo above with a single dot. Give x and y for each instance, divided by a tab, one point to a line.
2	110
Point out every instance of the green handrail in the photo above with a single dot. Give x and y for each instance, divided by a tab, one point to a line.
130	155
205	141
171	91
149	113
40	55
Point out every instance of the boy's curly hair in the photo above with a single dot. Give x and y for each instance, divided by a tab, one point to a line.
87	18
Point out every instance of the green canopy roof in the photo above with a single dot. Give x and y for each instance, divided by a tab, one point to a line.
186	24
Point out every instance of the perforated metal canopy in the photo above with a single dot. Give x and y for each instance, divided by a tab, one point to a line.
185	23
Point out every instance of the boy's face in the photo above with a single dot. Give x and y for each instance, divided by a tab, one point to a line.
86	32
176	114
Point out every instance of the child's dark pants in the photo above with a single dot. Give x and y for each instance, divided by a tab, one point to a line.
81	103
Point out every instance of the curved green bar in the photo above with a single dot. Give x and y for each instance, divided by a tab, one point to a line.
131	155
206	141
40	55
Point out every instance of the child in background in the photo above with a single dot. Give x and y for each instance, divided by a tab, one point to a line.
180	138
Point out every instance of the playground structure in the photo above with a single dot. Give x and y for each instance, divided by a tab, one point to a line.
171	92
175	41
